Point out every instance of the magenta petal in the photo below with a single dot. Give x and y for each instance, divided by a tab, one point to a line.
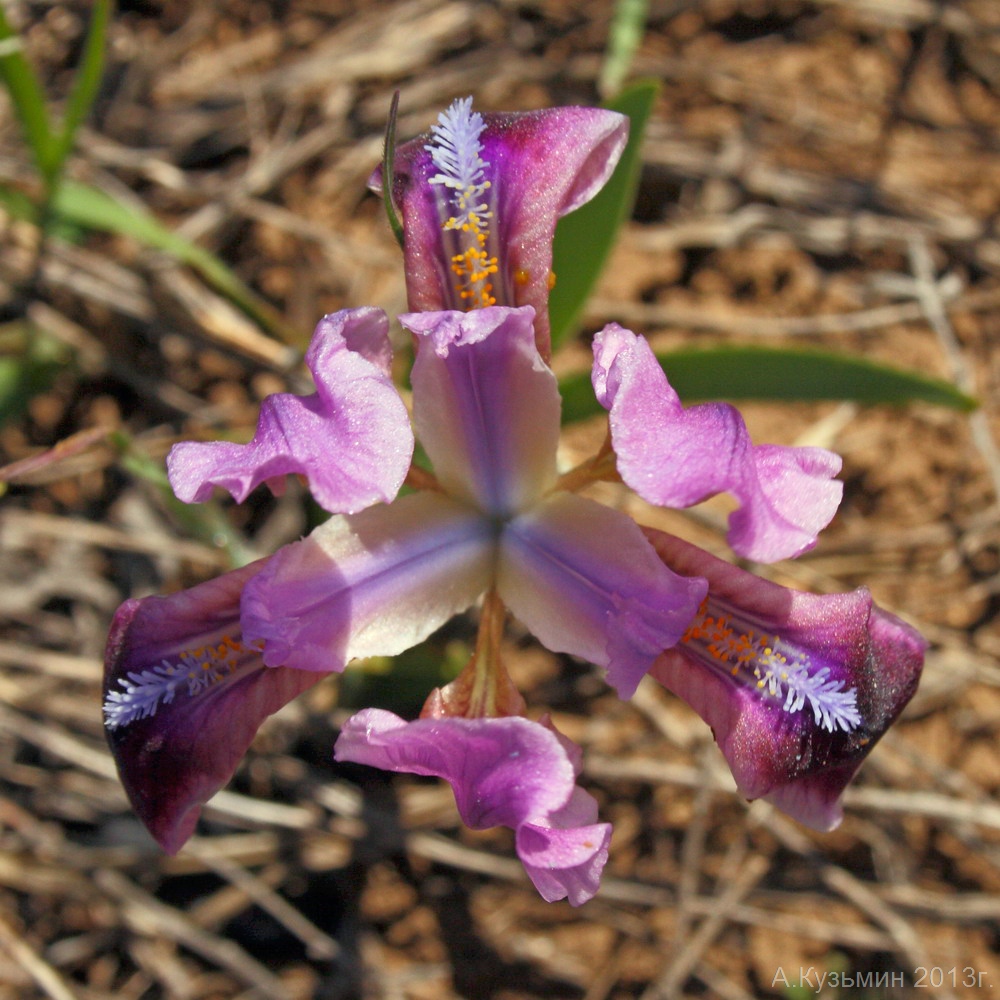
539	165
174	747
863	667
351	439
504	772
369	584
585	581
485	405
676	457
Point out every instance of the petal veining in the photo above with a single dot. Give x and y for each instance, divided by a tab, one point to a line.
485	405
369	584
585	581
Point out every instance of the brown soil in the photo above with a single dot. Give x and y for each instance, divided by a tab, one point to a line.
823	173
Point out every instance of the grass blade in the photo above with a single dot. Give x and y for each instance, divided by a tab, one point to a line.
776	373
26	95
83	205
85	86
585	237
624	36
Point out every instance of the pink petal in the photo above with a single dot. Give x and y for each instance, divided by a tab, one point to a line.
676	457
504	772
540	165
369	584
485	405
351	439
585	581
801	760
175	749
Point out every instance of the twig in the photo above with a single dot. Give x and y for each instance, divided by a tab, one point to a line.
147	915
318	944
930	301
40	971
679	970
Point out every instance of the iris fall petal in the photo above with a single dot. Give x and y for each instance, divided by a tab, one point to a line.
537	166
184	696
855	665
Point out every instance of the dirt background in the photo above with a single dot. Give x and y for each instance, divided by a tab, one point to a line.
822	173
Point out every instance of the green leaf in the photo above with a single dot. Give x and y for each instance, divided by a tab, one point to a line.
624	36
389	172
85	85
585	237
83	205
26	94
778	373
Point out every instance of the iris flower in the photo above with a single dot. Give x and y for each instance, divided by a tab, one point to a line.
796	687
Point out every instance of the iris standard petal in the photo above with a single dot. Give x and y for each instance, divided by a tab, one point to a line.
505	772
485	405
565	859
585	581
535	167
184	696
798	688
674	456
369	584
351	439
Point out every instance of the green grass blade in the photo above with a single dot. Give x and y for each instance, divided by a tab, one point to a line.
26	95
585	237
776	373
205	521
624	36
86	84
83	205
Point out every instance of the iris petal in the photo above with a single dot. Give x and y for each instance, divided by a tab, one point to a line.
796	759
585	581
368	584
539	165
351	439
675	457
485	405
198	693
505	772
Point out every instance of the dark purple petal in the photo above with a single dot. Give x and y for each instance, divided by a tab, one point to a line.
351	439
184	696
755	646
676	457
538	165
369	584
585	581
485	405
504	772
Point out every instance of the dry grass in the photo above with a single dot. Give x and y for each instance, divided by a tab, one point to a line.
827	171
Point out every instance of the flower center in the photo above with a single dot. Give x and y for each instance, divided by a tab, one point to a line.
771	666
455	151
220	660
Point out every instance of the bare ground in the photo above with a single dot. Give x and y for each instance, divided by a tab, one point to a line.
821	172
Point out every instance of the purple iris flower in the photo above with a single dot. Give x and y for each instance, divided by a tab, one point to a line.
797	688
